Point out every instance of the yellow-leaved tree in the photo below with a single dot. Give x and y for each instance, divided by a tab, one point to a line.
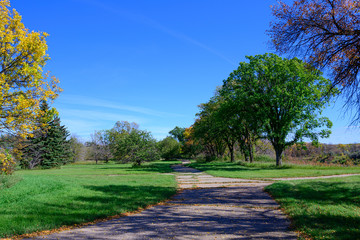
23	84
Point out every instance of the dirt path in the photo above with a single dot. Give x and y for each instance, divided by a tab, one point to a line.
219	208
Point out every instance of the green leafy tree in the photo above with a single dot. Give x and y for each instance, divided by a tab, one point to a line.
178	134
169	148
286	96
115	135
77	149
208	130
137	147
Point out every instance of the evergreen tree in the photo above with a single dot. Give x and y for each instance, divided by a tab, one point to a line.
57	146
48	147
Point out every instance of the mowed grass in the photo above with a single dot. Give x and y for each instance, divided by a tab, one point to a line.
48	199
269	170
322	209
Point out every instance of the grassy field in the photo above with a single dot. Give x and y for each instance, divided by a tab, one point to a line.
48	199
322	209
269	170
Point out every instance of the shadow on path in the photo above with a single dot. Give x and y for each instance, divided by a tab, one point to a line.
240	212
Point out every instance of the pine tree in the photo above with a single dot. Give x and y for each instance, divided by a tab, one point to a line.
57	146
49	146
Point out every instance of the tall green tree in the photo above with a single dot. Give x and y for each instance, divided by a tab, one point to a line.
48	147
208	129
287	96
57	146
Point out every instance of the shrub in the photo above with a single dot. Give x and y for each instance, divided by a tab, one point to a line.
7	163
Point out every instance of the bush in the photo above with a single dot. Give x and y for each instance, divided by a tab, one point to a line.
263	158
7	163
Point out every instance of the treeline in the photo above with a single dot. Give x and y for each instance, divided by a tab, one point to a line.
126	143
268	98
345	154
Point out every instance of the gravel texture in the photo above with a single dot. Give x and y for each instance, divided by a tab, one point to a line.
206	208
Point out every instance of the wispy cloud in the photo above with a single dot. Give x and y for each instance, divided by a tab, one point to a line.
81	128
95	102
156	25
82	115
98	115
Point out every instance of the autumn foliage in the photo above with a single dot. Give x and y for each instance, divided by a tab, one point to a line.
326	33
7	163
23	85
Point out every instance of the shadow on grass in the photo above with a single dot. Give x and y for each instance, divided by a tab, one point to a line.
152	167
322	208
100	202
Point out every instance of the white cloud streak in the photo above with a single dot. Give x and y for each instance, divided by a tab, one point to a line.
94	102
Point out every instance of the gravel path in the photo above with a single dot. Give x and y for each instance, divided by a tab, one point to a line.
207	207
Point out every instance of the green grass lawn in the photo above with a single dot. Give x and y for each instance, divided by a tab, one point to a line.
48	199
269	170
322	209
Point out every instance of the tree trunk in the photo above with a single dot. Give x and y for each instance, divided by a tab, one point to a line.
231	149
246	155
278	157
251	153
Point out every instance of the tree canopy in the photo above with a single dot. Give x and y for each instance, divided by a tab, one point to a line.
326	33
23	85
285	97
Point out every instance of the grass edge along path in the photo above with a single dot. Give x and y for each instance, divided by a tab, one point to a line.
265	171
321	209
50	199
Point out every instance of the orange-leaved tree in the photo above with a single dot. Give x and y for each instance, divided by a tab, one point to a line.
326	33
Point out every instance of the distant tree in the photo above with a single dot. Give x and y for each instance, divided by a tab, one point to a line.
115	135
137	147
169	148
191	147
100	146
77	148
23	85
287	95
327	34
178	134
207	130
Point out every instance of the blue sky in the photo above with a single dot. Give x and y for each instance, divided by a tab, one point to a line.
151	62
